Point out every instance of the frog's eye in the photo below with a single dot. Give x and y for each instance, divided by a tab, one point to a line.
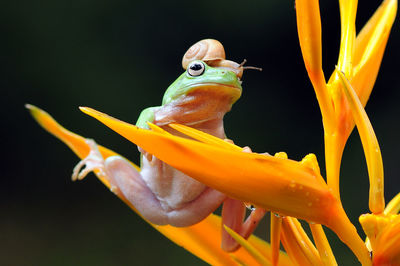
196	69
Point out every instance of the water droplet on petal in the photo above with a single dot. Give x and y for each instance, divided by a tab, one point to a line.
278	215
250	206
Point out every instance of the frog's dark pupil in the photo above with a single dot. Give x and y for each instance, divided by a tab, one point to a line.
196	67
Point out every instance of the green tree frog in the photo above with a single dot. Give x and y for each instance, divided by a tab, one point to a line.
199	98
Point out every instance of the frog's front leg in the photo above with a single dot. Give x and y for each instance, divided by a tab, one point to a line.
124	180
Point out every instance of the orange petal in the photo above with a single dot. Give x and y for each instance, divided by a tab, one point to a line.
293	243
309	31
75	142
156	128
276	228
373	225
323	247
375	31
370	46
348	10
259	244
202	239
252	247
282	186
393	207
384	234
285	186
205	138
388	248
370	145
247	246
291	226
334	145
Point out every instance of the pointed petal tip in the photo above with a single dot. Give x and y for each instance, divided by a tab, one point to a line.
43	118
260	258
34	110
85	109
90	111
370	145
96	114
158	129
204	137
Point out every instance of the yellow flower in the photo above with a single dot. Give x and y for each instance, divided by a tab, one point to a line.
359	61
383	232
291	190
387	251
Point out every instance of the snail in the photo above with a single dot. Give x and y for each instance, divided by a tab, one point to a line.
213	54
207	50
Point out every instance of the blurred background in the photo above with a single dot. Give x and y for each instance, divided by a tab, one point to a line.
119	57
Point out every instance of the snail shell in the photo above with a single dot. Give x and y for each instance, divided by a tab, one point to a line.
213	54
207	50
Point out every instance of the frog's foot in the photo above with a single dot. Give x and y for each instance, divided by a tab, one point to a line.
233	213
94	161
229	141
246	149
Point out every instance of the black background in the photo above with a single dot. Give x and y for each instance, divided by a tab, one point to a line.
119	57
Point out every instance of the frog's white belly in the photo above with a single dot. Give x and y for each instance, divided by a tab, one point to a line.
171	187
176	198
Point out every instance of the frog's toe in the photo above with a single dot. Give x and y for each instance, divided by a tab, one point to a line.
94	161
247	149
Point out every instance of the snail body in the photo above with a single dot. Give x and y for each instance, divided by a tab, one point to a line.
231	66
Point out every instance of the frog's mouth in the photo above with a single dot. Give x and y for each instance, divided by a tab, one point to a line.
232	90
203	102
